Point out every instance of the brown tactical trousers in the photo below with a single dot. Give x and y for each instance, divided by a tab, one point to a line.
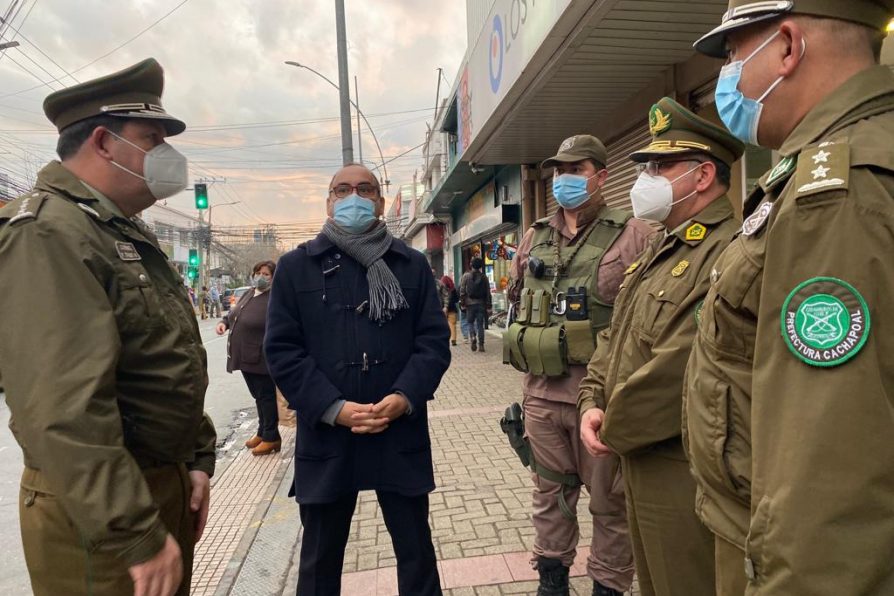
553	430
57	560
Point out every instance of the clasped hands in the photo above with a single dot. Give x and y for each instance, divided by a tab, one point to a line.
590	425
372	418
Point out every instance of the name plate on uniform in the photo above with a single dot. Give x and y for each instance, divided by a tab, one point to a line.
127	251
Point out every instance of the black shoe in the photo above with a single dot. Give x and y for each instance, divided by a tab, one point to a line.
453	342
474	345
481	347
600	590
553	577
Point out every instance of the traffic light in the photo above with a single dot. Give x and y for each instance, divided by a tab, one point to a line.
194	257
192	273
201	195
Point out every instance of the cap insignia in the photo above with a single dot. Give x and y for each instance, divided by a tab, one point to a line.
658	121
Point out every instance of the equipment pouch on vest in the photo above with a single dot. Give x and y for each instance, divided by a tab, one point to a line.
524	306
544	350
580	341
512	347
541	302
576	304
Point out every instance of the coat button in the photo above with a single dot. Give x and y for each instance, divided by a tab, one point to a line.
661	293
715	275
337	256
749	569
143	277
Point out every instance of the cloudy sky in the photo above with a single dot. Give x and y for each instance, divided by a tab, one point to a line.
270	129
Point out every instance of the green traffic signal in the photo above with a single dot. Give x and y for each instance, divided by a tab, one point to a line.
193	257
201	196
192	273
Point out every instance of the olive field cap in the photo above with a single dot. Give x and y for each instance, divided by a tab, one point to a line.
871	13
578	148
134	92
676	130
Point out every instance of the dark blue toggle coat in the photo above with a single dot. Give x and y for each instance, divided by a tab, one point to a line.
321	346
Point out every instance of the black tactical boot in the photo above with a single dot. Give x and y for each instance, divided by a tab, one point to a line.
553	577
600	590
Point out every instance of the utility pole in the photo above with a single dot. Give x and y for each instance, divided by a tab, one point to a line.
344	84
357	103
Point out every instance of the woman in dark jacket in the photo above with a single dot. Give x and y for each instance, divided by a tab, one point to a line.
246	322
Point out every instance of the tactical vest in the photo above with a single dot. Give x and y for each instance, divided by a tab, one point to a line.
559	310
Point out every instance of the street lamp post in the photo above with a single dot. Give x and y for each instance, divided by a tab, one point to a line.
344	92
385	182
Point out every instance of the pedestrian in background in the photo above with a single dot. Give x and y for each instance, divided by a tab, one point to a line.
450	308
358	343
214	295
474	295
204	302
246	322
101	357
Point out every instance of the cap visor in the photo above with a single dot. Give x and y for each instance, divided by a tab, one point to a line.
648	153
172	125
714	43
564	158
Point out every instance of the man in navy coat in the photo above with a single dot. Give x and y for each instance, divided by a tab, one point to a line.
357	342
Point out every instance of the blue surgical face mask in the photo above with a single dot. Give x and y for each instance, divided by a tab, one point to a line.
354	213
740	114
570	190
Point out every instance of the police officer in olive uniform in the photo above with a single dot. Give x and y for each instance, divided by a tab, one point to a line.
100	352
788	404
630	399
570	267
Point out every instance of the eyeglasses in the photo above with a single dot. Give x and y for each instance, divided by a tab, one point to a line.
653	168
364	189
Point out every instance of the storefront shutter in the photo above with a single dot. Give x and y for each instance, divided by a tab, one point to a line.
551	205
622	171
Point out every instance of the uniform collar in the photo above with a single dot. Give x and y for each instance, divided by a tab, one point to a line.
862	91
586	215
322	244
56	178
718	211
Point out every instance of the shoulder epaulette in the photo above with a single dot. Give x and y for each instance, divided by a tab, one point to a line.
25	207
616	217
822	168
543	221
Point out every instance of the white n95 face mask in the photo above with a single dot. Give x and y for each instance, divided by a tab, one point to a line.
164	169
653	196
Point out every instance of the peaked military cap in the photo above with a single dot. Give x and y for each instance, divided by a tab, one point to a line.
578	148
872	13
676	130
134	92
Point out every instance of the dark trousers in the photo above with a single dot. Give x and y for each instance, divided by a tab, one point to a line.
476	314
326	528
263	390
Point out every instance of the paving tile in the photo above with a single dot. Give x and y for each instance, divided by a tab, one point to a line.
476	571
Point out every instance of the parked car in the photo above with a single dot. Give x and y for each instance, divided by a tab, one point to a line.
231	296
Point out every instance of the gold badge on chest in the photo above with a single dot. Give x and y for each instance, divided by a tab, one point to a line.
680	269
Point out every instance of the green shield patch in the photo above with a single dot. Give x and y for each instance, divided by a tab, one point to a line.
825	321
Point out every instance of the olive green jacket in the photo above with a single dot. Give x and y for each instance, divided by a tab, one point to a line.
101	359
637	375
806	295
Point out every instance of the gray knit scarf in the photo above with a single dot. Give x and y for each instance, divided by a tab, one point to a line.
368	248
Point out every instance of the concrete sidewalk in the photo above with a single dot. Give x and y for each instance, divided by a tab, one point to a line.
480	512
